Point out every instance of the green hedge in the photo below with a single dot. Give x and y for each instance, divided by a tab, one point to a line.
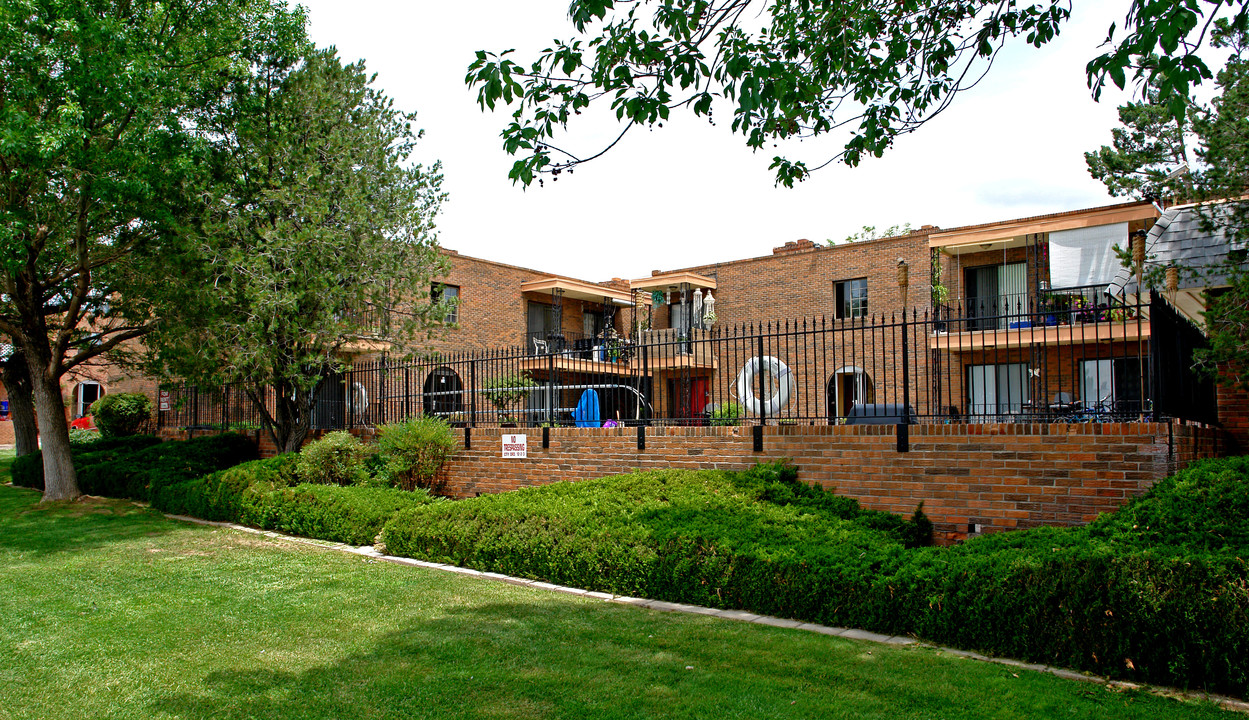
138	475
353	515
259	494
28	470
1158	592
710	538
218	496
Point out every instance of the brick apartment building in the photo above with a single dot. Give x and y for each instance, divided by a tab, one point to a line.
1008	319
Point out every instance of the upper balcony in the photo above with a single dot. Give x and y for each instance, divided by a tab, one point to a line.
1063	316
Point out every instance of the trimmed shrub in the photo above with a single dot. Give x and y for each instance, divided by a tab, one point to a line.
121	414
219	496
27	470
83	436
415	450
353	515
260	494
336	459
712	537
139	475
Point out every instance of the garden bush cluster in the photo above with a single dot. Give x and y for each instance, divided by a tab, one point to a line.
407	455
140	474
121	414
27	470
136	466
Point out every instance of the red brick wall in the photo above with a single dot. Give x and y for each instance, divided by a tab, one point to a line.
1234	415
799	281
493	312
998	476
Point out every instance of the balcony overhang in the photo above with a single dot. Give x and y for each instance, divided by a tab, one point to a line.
1046	336
578	290
673	280
1014	233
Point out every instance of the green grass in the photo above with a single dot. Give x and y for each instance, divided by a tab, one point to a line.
6	461
111	611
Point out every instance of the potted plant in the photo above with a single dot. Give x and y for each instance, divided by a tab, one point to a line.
504	392
940	296
726	414
1057	308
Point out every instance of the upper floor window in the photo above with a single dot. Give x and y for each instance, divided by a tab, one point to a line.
87	392
450	295
851	300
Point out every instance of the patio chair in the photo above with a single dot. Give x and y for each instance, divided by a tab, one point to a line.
539	346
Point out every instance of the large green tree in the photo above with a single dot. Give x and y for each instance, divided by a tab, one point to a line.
1203	158
1224	175
101	149
876	69
317	233
1148	152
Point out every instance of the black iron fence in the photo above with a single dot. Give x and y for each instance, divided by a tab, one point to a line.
1082	304
947	366
1178	391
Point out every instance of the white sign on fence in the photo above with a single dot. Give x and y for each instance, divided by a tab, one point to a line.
515	446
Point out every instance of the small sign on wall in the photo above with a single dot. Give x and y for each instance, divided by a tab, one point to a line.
164	399
515	446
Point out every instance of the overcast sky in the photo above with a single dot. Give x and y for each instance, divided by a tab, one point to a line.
690	193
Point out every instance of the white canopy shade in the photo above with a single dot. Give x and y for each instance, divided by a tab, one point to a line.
1085	256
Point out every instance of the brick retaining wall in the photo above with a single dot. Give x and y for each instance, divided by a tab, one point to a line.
999	476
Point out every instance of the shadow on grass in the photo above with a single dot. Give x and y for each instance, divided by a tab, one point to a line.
564	660
27	525
498	660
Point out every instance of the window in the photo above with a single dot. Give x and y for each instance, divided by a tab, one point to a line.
88	392
542	330
443	394
679	312
448	295
591	323
851	300
1114	385
995	293
995	390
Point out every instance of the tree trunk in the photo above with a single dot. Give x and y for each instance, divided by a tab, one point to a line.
60	482
292	418
16	379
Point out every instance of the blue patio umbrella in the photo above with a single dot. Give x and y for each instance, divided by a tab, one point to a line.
586	414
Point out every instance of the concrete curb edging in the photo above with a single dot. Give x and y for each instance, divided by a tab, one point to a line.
1227	703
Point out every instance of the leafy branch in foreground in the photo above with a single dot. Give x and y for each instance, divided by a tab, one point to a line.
793	69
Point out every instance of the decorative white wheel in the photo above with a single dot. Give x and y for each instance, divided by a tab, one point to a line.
357	399
782	380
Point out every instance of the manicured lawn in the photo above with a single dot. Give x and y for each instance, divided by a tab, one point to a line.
111	611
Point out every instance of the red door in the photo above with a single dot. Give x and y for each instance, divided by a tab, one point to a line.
698	399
